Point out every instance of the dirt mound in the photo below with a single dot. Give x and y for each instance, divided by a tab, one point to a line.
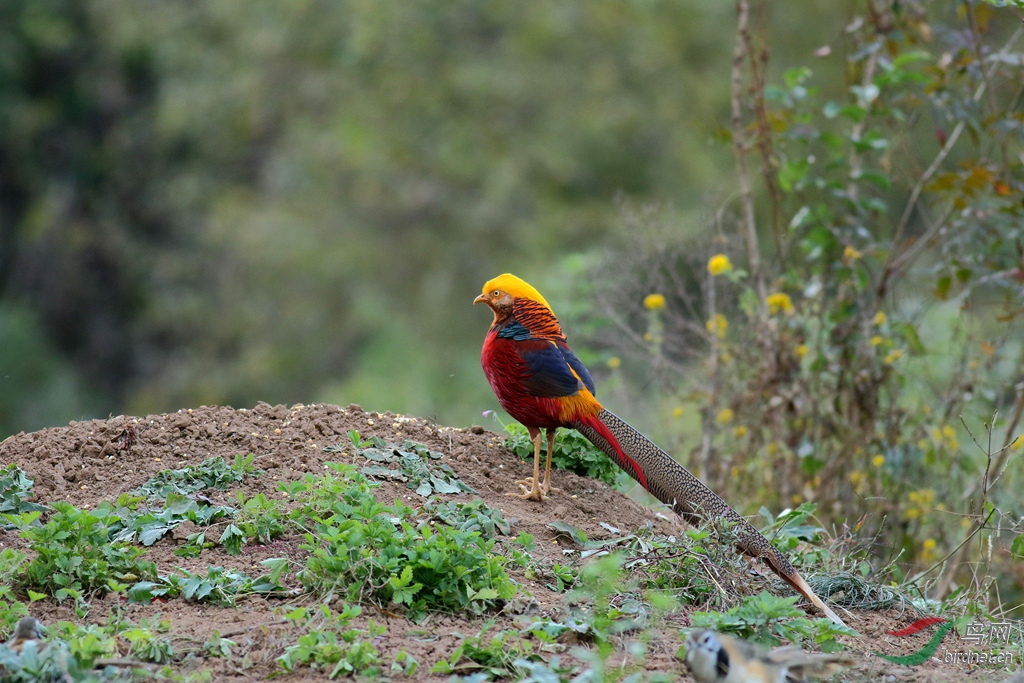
85	463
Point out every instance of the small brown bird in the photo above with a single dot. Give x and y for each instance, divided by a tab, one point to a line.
27	631
720	658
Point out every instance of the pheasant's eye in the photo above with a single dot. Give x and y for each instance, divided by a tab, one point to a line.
495	293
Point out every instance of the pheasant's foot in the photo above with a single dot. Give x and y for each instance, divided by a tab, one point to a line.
531	490
547	488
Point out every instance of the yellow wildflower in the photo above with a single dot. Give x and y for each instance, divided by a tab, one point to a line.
724	416
851	254
654	302
801	350
876	340
856	477
717	325
878	460
879	318
911	513
614	362
929	544
734	472
894	356
718	264
740	432
948	432
796	498
677	412
1017	443
779	301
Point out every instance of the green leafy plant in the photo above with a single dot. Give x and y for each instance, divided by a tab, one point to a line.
212	473
219	586
74	556
495	657
572	452
15	490
414	468
472	516
768	620
331	642
366	550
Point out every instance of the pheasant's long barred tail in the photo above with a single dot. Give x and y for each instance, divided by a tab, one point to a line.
674	485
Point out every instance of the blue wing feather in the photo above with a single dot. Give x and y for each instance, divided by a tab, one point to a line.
577	365
549	374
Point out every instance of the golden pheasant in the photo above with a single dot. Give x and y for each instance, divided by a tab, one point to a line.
541	383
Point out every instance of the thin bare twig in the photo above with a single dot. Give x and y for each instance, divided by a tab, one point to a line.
740	150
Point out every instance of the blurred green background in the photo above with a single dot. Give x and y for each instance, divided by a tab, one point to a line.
296	201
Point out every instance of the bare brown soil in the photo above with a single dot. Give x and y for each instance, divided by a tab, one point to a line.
82	464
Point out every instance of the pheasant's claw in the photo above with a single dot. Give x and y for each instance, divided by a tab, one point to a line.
531	490
547	488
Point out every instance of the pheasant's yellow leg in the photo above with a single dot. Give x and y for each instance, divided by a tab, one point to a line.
530	485
546	486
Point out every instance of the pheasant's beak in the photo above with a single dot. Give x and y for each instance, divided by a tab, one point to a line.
482	299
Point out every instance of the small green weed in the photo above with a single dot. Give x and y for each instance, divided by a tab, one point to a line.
769	620
413	465
74	555
494	658
472	516
366	550
212	473
220	586
147	526
572	452
15	488
349	650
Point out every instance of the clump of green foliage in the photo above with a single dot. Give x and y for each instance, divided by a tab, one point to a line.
330	642
364	550
413	460
572	452
15	490
74	556
212	473
770	620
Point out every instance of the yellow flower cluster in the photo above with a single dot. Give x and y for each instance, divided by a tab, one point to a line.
928	550
922	500
740	432
779	302
614	362
725	416
878	460
945	436
718	264
879	318
893	356
717	325
801	350
654	302
851	254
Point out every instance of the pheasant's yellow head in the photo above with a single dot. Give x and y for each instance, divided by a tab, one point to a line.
500	292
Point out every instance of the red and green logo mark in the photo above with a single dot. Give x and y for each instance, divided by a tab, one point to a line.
929	648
